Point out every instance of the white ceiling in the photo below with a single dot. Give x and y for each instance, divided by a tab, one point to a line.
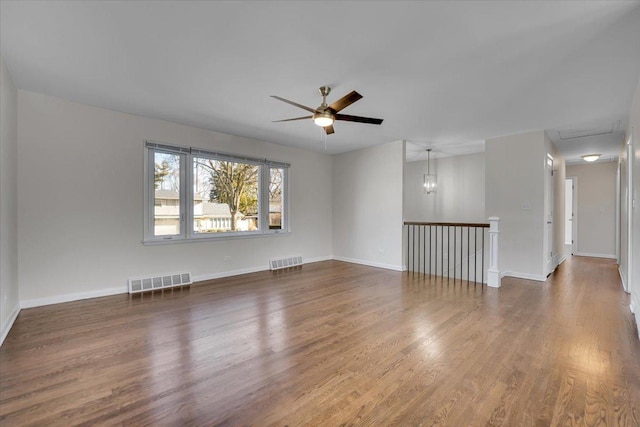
440	74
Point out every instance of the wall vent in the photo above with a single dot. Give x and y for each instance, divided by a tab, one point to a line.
280	263
152	283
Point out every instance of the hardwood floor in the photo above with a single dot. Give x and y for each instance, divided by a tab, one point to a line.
333	344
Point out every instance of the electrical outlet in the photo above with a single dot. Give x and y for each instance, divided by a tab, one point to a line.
227	259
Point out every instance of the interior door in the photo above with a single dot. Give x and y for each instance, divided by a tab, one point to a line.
570	221
548	215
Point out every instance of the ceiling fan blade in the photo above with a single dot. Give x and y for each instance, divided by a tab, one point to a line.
345	101
329	129
309	109
290	120
358	119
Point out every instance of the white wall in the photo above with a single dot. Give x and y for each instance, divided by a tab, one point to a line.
630	250
596	208
634	128
461	191
9	293
80	203
367	205
514	175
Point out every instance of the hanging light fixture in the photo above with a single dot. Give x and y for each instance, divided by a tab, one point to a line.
430	181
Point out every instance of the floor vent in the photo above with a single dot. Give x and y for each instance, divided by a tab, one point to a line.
280	263
146	284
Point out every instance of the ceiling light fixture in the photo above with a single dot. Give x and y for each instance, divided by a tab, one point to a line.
323	118
430	181
591	157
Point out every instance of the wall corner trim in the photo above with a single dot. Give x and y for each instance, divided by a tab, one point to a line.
623	280
7	327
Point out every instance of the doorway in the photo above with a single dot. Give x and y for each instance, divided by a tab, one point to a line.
570	222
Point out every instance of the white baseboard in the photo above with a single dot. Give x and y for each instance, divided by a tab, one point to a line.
7	327
563	259
634	306
526	276
37	302
318	259
230	273
595	255
370	263
623	279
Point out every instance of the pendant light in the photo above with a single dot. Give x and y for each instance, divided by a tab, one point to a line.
430	181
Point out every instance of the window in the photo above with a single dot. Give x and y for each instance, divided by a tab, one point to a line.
276	201
195	194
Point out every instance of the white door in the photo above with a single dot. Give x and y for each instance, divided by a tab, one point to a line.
570	222
548	216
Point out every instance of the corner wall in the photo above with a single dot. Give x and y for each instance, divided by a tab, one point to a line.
80	177
367	206
514	183
9	292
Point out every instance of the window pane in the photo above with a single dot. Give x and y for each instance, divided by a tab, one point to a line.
166	215
276	182
225	196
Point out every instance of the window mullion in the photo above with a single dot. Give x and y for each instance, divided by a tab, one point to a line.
264	198
149	192
186	192
285	199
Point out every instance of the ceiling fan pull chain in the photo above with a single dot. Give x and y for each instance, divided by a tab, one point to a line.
325	139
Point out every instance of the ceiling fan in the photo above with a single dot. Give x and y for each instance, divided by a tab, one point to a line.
325	115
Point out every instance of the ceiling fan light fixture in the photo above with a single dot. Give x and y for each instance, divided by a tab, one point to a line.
591	157
326	114
323	118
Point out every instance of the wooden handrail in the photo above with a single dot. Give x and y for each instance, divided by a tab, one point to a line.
449	224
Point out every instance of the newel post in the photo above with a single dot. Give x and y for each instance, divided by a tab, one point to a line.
493	275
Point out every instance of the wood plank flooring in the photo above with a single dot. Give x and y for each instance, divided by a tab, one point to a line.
333	344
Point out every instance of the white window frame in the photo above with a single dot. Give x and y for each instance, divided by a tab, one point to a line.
187	155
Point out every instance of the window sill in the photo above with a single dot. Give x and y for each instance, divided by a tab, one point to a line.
155	242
